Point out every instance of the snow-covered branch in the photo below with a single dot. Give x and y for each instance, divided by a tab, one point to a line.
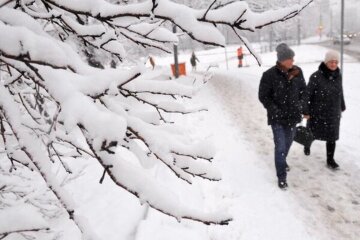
55	106
201	25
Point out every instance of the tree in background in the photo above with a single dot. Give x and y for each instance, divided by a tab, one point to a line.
56	107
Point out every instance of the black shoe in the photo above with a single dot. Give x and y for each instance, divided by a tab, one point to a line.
307	151
283	185
332	164
287	168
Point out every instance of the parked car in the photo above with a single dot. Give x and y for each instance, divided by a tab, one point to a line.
337	40
351	34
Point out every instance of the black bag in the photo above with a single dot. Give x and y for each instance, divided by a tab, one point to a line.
304	136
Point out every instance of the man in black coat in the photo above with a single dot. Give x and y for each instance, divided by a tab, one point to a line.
281	91
326	103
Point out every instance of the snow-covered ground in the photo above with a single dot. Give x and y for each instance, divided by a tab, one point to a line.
319	204
325	203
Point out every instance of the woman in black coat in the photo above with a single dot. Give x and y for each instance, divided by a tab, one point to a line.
326	102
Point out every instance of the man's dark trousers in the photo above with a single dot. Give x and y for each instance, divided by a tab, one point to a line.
283	138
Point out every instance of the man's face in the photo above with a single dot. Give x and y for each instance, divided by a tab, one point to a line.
332	65
288	63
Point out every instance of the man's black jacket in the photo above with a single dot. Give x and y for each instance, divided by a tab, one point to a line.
282	93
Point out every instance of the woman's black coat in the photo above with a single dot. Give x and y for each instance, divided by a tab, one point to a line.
326	102
283	98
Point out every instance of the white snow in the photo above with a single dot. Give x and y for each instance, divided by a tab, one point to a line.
25	217
234	128
320	204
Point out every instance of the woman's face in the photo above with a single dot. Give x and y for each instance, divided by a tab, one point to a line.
332	65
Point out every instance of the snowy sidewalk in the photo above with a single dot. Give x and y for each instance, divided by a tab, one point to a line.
320	204
260	210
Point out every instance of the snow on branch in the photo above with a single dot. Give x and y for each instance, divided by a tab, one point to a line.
61	101
20	213
134	22
201	25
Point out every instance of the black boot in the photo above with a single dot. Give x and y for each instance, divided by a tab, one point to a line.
282	184
332	164
330	150
307	151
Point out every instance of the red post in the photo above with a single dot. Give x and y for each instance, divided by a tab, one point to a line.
182	69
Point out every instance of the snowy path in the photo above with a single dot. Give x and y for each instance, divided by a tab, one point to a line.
326	202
